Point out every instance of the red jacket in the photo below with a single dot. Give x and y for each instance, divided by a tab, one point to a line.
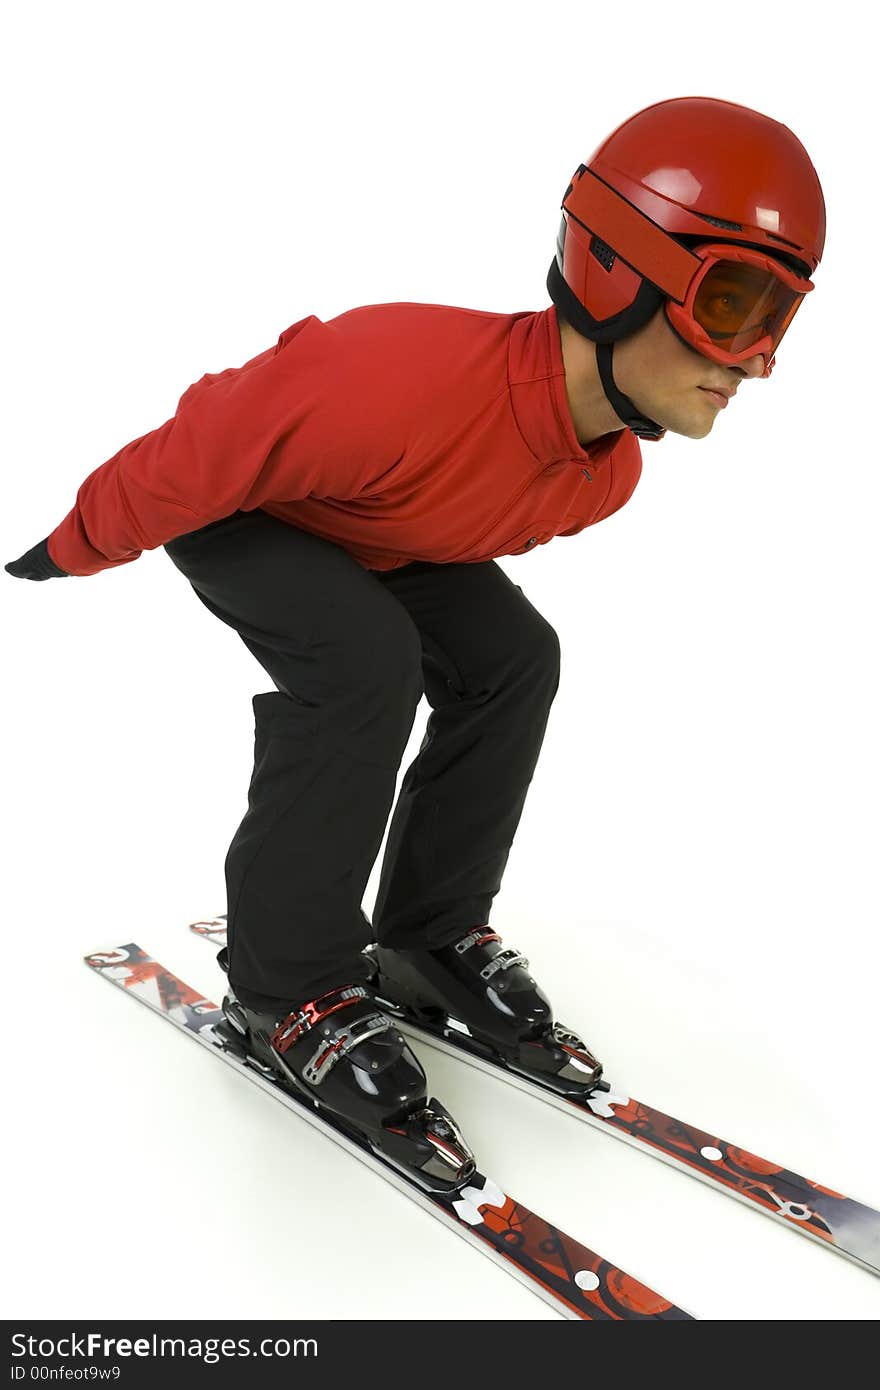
399	431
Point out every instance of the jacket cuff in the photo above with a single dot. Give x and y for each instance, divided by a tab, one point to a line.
43	563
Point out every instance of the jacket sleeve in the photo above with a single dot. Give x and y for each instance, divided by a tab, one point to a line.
279	427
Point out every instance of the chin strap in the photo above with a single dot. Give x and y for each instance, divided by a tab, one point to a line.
622	405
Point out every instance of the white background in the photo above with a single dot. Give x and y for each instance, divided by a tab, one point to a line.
695	874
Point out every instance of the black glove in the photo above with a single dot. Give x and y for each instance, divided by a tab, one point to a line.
36	564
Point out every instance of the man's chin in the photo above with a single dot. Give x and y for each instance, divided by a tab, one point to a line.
687	426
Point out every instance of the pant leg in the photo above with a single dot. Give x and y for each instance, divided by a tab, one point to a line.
491	670
345	658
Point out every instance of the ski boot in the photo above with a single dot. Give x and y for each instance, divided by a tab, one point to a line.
345	1057
480	996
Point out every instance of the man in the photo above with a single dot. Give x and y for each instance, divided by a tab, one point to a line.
339	501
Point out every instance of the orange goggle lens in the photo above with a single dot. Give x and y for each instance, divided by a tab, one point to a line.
738	305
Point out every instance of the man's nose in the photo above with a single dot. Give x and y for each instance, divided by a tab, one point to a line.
753	366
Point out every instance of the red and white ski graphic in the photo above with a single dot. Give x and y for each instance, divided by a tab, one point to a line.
576	1281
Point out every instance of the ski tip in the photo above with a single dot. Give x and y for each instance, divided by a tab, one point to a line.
110	956
210	927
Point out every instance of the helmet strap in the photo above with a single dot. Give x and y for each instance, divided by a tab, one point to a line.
622	406
604	335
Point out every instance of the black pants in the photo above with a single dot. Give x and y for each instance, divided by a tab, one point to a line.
351	651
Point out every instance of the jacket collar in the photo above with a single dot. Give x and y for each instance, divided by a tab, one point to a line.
536	376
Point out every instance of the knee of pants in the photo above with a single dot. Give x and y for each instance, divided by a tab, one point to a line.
537	658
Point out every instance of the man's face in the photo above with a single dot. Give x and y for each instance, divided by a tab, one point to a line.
666	379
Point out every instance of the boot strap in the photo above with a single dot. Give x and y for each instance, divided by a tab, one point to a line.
477	937
291	1028
505	960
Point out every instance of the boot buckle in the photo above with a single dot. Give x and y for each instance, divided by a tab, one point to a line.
344	1040
505	960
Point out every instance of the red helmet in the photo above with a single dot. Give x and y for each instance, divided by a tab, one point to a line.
707	207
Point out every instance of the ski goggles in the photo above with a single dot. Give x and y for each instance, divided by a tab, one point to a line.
739	302
726	301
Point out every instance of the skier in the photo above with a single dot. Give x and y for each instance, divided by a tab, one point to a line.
339	501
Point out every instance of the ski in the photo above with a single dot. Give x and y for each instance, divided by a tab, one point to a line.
574	1280
841	1224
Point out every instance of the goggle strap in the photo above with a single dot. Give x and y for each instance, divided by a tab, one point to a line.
603	211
